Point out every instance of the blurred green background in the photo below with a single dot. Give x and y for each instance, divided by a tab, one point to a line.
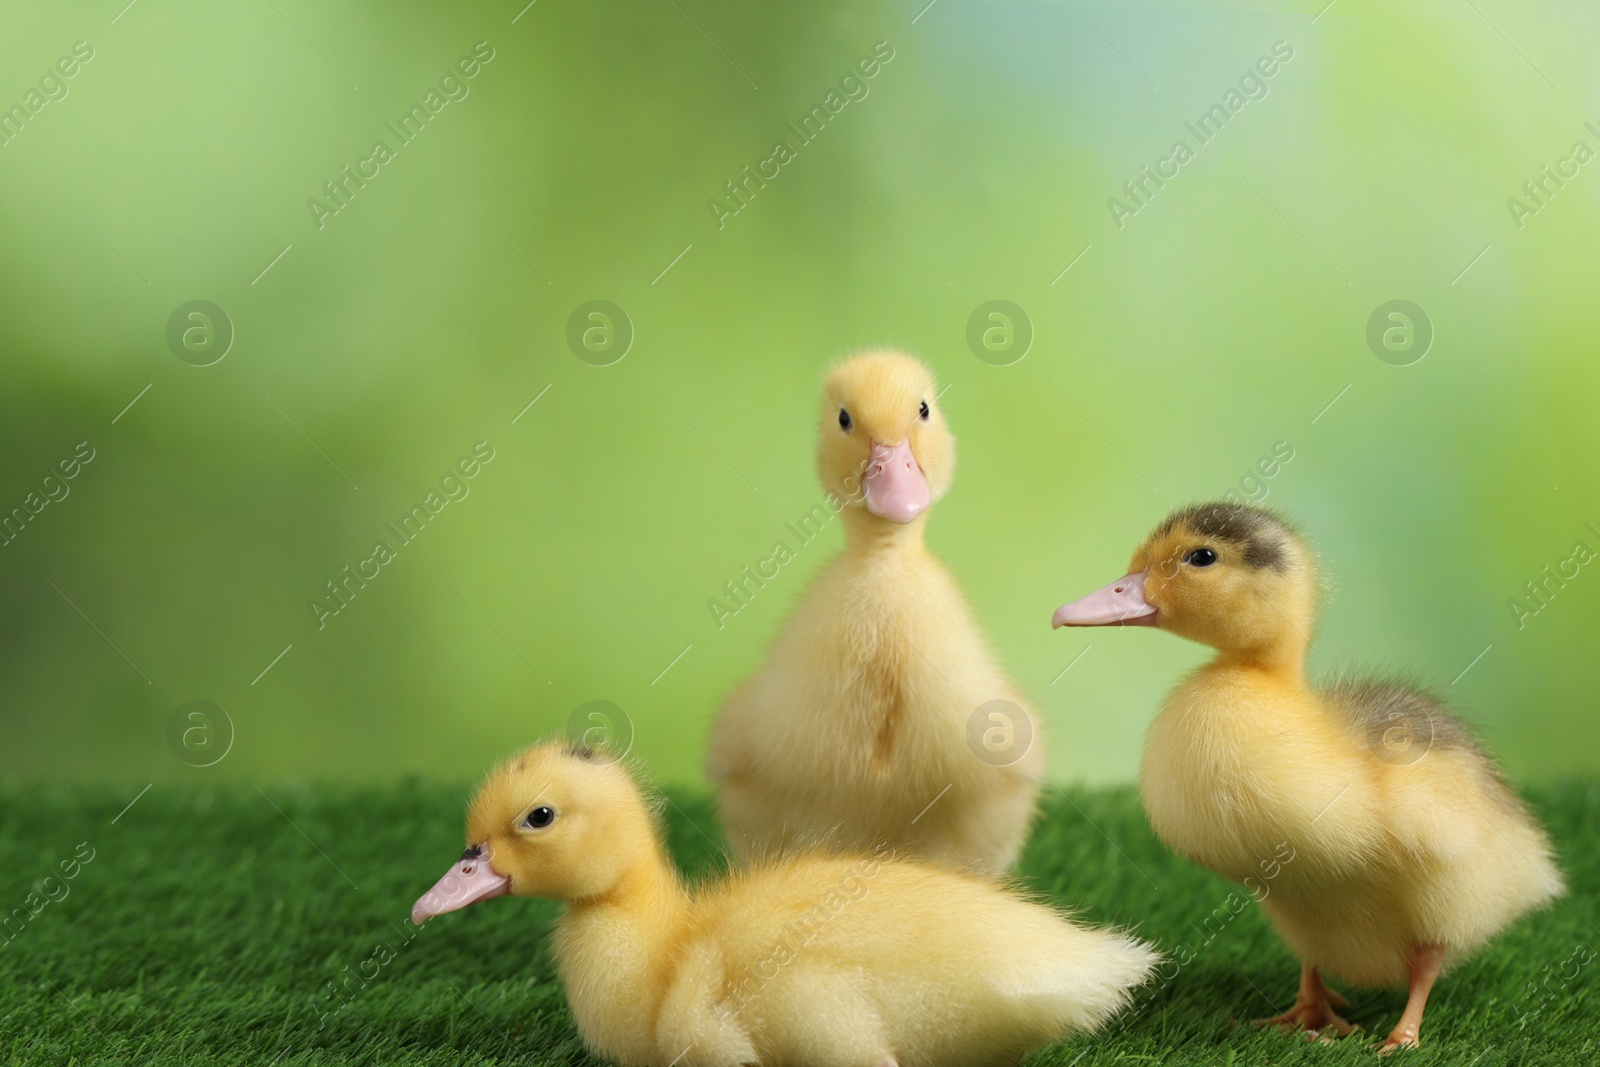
372	353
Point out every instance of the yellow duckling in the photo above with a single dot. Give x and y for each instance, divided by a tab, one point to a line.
856	728
1407	851
829	958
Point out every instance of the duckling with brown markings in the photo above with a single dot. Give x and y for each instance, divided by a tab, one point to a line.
1410	851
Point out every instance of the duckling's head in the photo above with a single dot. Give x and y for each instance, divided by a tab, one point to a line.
1231	576
558	821
884	444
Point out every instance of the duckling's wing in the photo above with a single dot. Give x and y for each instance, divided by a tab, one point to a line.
699	1013
1435	765
1401	724
1470	850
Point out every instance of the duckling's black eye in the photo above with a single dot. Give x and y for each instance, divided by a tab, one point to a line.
539	818
923	411
844	420
1201	557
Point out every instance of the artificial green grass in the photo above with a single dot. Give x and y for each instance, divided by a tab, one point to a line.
208	927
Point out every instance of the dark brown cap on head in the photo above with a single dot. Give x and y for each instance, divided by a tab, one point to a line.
1262	536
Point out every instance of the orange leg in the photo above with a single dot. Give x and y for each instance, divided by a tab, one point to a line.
1313	1007
1426	960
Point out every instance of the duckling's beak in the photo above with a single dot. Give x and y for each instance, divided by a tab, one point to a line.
467	882
1120	603
895	487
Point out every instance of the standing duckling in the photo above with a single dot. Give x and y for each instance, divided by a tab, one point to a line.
1408	851
855	729
828	958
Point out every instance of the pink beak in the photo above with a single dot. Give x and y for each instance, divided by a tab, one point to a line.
895	487
1120	603
467	882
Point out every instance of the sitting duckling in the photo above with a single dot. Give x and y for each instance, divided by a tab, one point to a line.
856	727
1407	850
826	958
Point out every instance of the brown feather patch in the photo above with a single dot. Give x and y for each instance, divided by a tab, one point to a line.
885	675
1262	535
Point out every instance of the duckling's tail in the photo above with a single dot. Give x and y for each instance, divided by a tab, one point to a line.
1087	977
